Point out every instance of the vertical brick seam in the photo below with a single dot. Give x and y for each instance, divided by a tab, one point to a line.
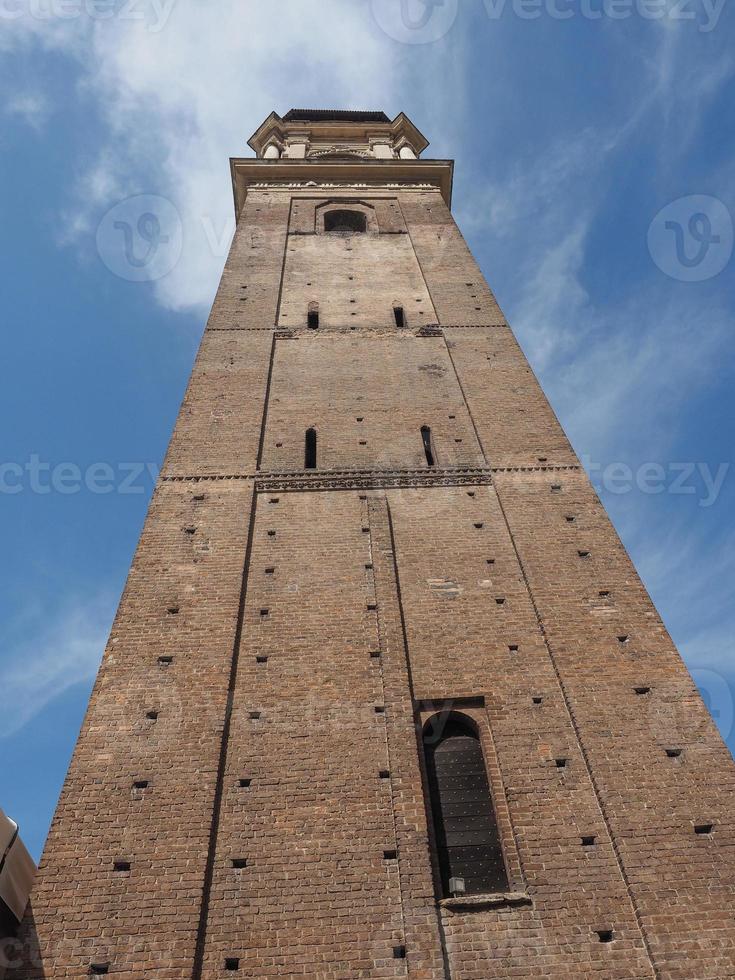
464	397
264	423
422	923
222	766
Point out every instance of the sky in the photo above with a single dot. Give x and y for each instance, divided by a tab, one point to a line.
595	183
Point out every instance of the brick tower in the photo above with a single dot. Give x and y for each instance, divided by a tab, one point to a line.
384	695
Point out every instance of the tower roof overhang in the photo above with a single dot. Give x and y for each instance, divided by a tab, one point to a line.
247	172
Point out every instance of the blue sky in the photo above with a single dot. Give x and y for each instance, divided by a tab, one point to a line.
595	184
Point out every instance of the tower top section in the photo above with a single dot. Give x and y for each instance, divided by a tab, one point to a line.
338	148
312	133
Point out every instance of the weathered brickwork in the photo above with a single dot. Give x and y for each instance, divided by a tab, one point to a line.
249	291
514	420
249	793
457	287
220	422
368	399
169	655
608	649
355	281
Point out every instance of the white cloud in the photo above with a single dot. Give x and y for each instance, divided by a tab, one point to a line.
41	662
178	103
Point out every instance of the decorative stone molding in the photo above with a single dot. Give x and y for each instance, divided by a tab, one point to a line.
372	479
337	152
539	468
388	187
208	478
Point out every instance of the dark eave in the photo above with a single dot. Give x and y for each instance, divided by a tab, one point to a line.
334	115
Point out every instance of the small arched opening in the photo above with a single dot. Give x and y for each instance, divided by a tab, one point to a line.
466	835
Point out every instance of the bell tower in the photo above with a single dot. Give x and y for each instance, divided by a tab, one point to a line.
384	696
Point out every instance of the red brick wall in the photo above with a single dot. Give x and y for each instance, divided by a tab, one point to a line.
321	615
395	386
356	279
144	921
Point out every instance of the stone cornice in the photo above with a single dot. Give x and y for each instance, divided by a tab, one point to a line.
247	172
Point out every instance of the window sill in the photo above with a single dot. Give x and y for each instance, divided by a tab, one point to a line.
469	903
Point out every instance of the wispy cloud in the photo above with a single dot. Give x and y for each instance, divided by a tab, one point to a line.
573	331
698	580
42	658
624	363
31	107
694	578
645	368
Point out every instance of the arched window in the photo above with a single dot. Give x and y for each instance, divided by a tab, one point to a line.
465	826
310	450
345	221
312	316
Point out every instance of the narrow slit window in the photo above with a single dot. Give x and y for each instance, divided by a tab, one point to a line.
312	317
466	835
400	316
310	450
428	445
